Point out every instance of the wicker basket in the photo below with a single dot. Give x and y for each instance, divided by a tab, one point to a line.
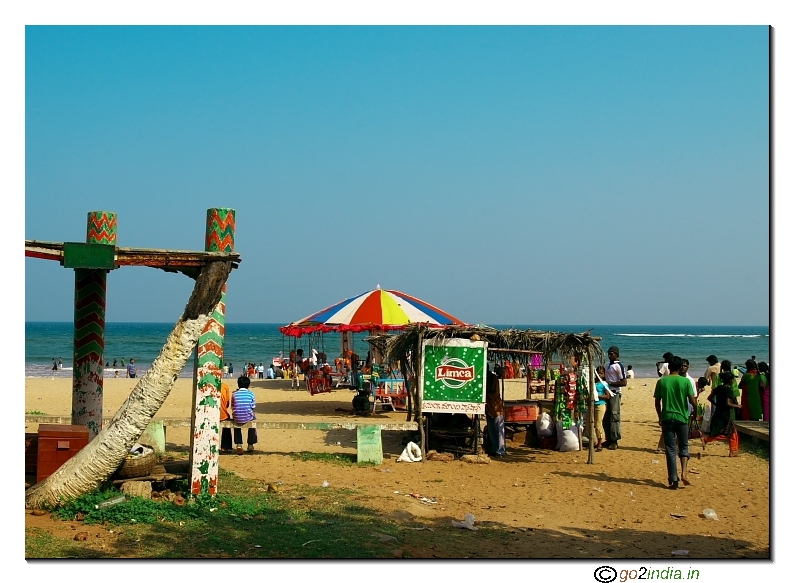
137	466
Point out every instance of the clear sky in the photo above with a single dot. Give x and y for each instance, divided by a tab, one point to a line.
509	175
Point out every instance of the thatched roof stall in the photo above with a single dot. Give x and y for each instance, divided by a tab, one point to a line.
398	351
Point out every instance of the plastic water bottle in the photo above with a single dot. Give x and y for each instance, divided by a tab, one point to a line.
710	514
111	502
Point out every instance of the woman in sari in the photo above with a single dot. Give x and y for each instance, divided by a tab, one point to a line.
763	370
751	386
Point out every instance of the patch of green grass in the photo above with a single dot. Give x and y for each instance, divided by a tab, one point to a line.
243	521
246	521
35	412
40	544
760	449
342	459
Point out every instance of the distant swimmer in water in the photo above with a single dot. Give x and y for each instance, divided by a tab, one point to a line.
54	364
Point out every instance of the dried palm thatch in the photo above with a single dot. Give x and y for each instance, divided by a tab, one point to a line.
398	349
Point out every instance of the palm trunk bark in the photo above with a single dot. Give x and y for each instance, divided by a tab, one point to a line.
96	462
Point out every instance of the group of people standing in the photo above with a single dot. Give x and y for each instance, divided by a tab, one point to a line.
750	390
676	395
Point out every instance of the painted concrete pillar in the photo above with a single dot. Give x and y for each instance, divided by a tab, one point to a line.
90	287
205	439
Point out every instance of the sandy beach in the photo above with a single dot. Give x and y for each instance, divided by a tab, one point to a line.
561	507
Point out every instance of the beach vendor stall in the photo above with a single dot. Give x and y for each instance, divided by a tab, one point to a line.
512	352
374	312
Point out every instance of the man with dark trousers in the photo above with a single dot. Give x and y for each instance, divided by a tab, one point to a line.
673	396
616	379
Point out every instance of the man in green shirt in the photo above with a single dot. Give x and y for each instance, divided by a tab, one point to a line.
673	395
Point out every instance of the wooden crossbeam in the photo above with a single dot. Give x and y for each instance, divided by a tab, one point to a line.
187	262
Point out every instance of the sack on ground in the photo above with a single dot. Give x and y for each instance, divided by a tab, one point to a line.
411	453
567	439
544	426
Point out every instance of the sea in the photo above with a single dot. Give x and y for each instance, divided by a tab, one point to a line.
640	346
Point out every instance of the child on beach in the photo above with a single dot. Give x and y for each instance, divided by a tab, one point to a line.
226	432
243	405
600	408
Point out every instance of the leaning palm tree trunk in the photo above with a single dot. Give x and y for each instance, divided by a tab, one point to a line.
96	462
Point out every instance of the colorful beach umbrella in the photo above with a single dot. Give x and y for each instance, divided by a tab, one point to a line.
376	310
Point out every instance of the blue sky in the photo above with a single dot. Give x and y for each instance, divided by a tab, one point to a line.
510	175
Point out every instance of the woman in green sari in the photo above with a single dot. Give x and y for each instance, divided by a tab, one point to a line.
752	385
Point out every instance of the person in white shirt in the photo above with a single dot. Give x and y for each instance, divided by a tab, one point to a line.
616	380
663	366
629	372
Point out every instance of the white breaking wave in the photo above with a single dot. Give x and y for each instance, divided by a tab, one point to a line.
700	335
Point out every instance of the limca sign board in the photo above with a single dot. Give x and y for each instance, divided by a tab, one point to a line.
452	376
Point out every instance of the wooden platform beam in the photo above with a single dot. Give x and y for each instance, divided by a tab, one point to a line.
755	429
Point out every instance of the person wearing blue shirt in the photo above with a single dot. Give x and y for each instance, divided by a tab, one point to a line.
243	405
131	371
600	408
271	374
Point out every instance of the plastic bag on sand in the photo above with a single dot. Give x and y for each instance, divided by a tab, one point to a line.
468	522
543	425
709	514
411	453
567	439
705	425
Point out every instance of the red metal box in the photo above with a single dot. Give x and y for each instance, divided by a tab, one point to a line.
520	411
56	444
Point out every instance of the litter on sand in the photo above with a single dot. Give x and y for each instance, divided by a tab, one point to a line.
468	523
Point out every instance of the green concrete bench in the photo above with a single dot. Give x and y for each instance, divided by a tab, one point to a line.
369	444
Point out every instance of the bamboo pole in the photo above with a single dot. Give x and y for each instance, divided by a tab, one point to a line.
591	411
420	417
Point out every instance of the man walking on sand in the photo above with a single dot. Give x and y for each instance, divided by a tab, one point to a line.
616	379
672	396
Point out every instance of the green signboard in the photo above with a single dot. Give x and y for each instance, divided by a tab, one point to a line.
453	376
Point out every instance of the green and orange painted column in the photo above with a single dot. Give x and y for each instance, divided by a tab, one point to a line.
205	440
90	287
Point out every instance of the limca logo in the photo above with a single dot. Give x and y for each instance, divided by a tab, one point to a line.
454	373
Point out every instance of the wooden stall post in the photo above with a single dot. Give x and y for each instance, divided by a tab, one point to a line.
205	423
90	287
546	376
420	416
591	412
